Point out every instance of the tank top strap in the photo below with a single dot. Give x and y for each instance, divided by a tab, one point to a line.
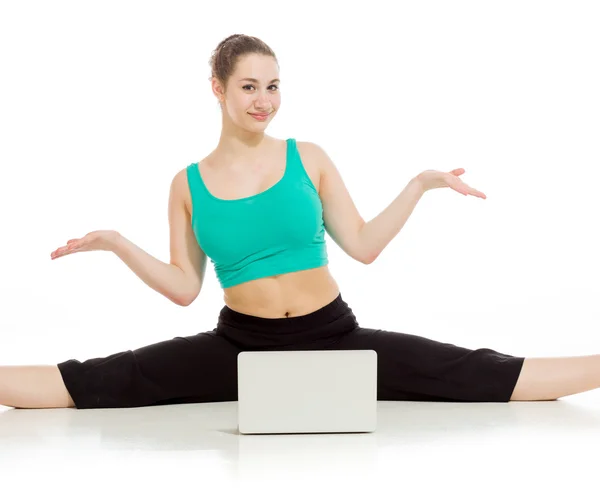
195	182
294	163
295	167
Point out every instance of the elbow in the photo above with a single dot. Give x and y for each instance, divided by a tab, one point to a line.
183	302
188	295
364	254
365	260
185	299
368	258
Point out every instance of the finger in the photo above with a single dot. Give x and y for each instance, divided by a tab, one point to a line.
64	250
465	189
477	193
459	186
70	245
58	253
462	188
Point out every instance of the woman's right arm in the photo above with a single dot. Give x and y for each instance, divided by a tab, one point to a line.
181	279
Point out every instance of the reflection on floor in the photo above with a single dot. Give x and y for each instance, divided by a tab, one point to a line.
418	446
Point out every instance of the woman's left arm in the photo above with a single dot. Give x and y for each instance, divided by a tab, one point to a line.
376	234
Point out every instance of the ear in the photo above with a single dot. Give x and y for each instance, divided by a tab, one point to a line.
218	89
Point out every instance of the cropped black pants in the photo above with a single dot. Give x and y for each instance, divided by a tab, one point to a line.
203	367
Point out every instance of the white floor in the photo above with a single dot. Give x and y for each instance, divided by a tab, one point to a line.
422	447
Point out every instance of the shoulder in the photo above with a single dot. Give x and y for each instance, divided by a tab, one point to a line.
179	188
309	148
316	156
312	156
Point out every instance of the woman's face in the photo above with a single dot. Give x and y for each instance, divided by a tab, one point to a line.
252	89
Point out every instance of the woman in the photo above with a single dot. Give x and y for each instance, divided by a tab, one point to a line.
258	207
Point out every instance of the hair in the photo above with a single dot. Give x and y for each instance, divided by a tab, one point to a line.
225	57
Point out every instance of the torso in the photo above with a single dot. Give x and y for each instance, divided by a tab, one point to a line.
280	296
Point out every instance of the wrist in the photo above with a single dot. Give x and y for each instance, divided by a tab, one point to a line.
419	184
115	241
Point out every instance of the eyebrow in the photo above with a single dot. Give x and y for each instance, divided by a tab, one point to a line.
256	80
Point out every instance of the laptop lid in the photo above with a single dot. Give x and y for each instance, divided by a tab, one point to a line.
321	391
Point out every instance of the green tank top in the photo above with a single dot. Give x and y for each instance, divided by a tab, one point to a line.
277	231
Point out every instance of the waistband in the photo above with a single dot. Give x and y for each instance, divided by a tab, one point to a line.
248	330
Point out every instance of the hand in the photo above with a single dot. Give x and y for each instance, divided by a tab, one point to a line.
432	179
99	240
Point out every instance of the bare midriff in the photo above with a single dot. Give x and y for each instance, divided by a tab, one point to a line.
287	295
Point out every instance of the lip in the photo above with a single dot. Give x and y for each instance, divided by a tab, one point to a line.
260	116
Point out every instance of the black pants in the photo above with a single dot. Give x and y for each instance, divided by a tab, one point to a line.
203	367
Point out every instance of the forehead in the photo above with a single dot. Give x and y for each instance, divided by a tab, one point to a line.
257	66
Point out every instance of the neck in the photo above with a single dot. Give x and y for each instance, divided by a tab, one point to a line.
242	145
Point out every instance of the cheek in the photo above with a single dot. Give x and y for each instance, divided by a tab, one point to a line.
276	103
239	106
245	104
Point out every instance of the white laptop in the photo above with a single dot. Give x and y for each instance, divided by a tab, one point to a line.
307	391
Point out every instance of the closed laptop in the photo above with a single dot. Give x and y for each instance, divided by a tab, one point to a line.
323	391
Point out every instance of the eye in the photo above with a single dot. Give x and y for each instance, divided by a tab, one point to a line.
251	86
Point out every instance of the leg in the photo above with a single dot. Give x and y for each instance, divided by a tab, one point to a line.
33	387
410	367
199	368
549	378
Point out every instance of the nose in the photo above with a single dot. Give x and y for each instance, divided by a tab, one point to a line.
262	102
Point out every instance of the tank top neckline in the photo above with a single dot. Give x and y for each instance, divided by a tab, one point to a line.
235	200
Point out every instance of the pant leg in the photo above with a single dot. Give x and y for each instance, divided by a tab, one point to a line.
198	368
410	367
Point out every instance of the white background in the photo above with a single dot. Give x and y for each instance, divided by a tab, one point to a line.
101	104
